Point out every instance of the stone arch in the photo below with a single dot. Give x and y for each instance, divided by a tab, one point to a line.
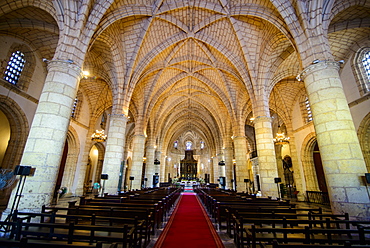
309	170
364	138
99	167
72	158
19	129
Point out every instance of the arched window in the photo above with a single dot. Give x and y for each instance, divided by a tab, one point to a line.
188	144
361	67
202	145
366	64
15	67
20	66
306	110
74	108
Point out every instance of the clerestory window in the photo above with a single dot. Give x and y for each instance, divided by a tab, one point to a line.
74	108
366	65
308	110
15	67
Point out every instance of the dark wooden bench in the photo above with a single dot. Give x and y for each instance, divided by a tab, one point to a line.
29	243
347	244
71	233
253	236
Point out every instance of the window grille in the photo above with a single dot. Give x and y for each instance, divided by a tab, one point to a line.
366	64
74	108
14	67
308	109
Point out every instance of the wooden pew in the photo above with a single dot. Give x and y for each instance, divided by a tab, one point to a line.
29	243
71	233
347	244
96	220
306	235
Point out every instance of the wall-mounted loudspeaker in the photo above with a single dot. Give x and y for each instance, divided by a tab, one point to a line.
132	178
104	176
22	170
277	180
367	176
246	180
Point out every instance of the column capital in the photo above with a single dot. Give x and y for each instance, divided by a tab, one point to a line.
227	148
262	119
239	136
63	64
117	116
318	67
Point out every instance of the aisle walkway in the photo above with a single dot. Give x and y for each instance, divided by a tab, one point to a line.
189	226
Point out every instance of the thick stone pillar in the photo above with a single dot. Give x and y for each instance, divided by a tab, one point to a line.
241	159
137	160
229	156
157	167
149	168
340	150
266	156
114	153
162	174
45	143
215	166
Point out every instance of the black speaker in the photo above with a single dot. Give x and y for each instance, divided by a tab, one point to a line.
246	180
277	180
104	176
367	176
132	178
145	179
22	170
155	179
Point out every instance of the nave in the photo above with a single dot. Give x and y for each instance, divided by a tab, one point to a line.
151	218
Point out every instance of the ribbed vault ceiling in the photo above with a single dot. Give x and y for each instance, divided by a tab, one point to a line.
189	67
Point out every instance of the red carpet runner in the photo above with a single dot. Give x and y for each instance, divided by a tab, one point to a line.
189	226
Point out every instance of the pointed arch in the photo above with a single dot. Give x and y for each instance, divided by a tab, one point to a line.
308	162
364	138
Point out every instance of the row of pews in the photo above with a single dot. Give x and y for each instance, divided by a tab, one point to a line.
264	222
126	220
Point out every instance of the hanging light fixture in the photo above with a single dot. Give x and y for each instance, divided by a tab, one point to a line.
99	135
280	138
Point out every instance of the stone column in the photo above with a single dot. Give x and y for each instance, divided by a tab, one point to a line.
114	152
241	159
149	168
228	152
215	170
340	150
45	143
137	160
157	167
162	174
266	156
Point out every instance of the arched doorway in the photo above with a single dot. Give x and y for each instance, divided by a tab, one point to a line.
364	138
94	166
14	130
320	175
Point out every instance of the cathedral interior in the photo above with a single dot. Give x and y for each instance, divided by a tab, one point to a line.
117	91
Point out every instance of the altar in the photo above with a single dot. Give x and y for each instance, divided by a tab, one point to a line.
188	167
